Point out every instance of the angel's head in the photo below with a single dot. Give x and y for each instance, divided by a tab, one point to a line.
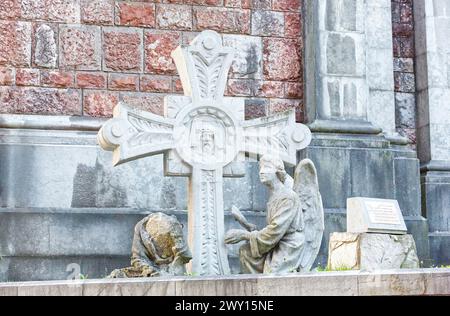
271	169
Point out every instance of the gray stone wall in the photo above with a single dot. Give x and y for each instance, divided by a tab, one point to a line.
62	202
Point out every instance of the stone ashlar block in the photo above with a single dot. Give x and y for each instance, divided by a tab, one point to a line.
371	252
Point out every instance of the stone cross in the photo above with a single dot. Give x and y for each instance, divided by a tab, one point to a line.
203	136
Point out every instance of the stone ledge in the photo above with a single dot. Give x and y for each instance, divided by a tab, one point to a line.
46	122
349	283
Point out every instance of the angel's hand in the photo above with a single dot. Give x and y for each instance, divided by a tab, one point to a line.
235	236
240	218
252	227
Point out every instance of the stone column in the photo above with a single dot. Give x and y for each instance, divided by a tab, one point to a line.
432	18
349	73
350	107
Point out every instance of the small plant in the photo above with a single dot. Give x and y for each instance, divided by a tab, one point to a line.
83	277
293	270
342	268
327	269
190	274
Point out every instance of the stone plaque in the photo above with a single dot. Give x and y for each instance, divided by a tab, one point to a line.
366	215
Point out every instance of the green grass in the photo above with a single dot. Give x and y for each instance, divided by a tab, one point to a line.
83	277
327	269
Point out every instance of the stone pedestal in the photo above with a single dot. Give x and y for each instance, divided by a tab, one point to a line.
372	252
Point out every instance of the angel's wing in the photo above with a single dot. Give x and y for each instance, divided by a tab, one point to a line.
306	185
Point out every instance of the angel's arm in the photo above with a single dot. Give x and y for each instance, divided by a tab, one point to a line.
263	241
240	218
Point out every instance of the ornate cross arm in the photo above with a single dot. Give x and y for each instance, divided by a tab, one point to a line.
134	134
276	135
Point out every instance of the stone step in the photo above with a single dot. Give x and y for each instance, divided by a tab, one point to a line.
348	283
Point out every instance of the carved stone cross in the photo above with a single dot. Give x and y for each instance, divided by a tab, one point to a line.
203	136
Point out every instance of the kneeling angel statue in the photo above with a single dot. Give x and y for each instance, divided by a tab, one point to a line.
295	222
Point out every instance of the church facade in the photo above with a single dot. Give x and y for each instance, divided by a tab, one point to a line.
371	79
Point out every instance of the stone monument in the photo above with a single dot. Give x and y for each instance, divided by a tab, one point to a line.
203	136
295	222
376	238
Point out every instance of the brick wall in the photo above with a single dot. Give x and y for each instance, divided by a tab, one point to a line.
81	57
404	53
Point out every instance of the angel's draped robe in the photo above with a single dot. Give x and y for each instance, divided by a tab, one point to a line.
276	248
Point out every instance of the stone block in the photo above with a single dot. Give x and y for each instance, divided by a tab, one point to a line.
370	252
6	76
255	108
48	101
341	54
240	87
374	167
97	12
174	17
10	9
45	46
267	23
99	103
439	245
334	173
156	84
440	142
327	284
91	80
293	25
437	281
57	79
74	288
405	110
404	82
407	185
135	14
350	283
242	286
80	47
222	20
158	48
27	77
122	49
379	72
153	103
270	89
248	58
381	110
65	11
404	64
395	283
379	27
136	287
8	290
282	59
61	11
287	5
15	43
123	82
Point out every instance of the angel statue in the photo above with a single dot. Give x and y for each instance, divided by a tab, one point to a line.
295	222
